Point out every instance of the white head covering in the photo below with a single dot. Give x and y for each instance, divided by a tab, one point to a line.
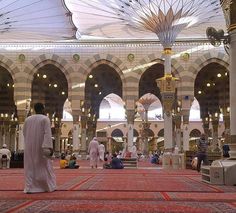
95	138
4	146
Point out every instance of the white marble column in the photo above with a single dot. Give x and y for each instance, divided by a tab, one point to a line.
185	112
168	132
178	138
130	136
76	132
109	148
57	137
186	137
21	138
215	125
130	121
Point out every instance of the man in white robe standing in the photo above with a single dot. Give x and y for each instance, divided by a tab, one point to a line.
93	151
101	151
38	168
133	151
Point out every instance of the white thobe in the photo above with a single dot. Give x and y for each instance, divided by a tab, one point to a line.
133	152
39	174
101	151
93	150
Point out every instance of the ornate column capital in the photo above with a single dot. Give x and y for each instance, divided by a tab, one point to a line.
130	113
167	85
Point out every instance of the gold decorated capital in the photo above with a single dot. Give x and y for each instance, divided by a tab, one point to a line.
167	85
167	51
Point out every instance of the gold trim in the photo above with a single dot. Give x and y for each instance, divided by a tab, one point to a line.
167	51
130	57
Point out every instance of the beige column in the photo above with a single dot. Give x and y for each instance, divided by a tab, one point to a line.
83	148
21	119
109	148
186	130
215	126
130	120
226	119
167	86
177	121
57	137
76	133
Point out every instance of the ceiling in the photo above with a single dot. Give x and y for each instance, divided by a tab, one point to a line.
66	20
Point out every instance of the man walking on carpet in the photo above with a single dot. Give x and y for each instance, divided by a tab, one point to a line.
202	151
93	151
38	168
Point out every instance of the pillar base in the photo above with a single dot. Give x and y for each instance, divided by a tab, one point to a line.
83	154
232	152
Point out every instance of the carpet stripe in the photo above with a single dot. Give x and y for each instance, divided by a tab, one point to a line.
165	196
79	184
23	205
208	185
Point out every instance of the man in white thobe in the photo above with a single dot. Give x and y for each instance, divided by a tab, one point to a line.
101	151
93	151
133	151
38	168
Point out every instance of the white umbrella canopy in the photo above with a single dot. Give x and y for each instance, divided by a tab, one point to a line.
145	18
35	20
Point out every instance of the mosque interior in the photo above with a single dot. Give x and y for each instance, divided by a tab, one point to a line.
130	72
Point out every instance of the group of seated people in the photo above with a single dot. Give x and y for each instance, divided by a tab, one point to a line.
115	163
68	162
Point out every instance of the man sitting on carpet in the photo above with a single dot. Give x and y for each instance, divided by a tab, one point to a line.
116	163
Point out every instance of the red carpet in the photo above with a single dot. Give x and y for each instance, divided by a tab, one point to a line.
144	189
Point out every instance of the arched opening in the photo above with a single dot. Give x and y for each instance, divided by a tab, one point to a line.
8	112
212	92
112	108
117	143
193	137
50	87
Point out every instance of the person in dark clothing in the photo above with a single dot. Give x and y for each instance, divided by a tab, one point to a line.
72	163
154	159
202	151
226	150
116	163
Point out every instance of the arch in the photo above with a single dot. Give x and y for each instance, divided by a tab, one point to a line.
9	65
117	133
150	133
112	107
7	92
161	133
50	87
152	59
197	65
53	59
98	59
195	133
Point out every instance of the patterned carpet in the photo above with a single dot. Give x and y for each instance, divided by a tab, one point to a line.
130	190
